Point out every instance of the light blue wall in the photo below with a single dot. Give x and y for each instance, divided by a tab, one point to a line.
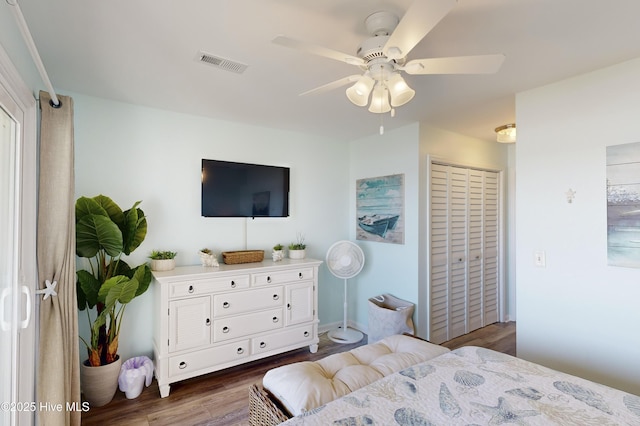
135	153
402	269
389	268
577	314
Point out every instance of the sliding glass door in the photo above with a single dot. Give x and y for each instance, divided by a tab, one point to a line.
17	254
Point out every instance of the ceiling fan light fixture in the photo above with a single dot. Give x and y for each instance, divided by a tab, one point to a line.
506	133
380	100
358	94
400	91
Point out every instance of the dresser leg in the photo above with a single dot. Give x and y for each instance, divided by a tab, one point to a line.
313	348
164	390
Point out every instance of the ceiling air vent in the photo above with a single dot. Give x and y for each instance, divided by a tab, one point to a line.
221	63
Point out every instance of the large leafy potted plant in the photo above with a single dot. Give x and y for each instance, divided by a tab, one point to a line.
104	233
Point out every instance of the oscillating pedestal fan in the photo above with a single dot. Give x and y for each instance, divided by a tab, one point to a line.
345	260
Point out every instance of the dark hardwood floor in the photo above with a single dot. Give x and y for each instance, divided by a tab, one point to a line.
221	398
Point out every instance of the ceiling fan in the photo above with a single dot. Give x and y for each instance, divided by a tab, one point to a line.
383	57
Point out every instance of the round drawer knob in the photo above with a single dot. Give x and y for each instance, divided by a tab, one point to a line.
306	334
225	329
263	345
275	319
289	306
240	351
268	279
225	305
276	297
182	365
208	321
191	289
300	275
233	284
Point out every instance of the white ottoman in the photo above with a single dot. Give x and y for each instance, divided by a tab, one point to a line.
303	386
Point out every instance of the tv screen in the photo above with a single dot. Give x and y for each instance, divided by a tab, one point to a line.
244	190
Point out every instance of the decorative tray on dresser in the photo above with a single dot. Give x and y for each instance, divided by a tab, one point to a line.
208	319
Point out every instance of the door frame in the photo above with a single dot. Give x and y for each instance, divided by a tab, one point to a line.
23	109
502	179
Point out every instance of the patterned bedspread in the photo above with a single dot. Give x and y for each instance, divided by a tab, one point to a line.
477	386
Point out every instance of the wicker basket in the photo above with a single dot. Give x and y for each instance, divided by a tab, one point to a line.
262	410
243	256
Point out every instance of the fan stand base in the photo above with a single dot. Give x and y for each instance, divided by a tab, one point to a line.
345	336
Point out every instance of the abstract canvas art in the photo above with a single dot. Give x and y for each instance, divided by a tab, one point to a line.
380	209
623	205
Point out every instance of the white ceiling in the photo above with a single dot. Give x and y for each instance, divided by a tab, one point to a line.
144	52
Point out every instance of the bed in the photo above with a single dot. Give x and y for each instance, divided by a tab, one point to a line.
478	386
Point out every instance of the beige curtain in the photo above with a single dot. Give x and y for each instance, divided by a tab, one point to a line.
58	379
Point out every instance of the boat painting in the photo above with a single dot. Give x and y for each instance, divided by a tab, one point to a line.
378	224
380	209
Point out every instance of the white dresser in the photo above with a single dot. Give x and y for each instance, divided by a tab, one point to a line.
208	319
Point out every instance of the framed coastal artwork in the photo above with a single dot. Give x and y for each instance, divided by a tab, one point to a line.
623	205
380	209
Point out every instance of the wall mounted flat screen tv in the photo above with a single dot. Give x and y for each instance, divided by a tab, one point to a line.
244	190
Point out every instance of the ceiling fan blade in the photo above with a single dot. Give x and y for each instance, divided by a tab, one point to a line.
418	20
479	64
317	50
333	85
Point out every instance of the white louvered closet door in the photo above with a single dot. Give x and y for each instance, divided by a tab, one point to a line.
464	251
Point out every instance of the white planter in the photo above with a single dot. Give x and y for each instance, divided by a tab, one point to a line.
277	255
208	259
297	254
162	264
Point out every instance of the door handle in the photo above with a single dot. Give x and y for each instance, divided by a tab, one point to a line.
25	322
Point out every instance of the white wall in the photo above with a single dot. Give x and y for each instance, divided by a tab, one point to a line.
577	314
135	153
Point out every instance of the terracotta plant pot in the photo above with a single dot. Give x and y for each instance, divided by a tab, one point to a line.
99	384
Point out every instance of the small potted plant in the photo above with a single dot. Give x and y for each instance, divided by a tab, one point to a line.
162	260
297	249
278	253
208	258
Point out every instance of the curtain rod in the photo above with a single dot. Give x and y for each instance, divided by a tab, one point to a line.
26	35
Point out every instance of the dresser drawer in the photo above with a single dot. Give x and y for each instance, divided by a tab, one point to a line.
282	339
194	361
195	287
247	301
281	277
244	325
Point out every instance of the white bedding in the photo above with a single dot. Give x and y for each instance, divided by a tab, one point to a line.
477	386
